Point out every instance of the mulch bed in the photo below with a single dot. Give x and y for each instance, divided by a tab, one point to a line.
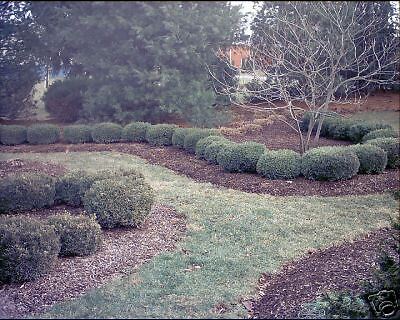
340	267
199	170
122	251
19	165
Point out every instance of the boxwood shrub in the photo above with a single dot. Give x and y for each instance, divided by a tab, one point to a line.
240	157
279	164
195	135
339	128
135	132
77	134
29	248
372	158
12	134
160	134
43	134
25	191
119	202
329	163
211	151
358	130
178	138
203	143
106	132
380	133
79	235
391	146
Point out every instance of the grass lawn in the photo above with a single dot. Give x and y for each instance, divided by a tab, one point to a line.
232	236
390	117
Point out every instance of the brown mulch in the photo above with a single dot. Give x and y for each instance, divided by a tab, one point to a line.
122	251
340	267
19	165
199	170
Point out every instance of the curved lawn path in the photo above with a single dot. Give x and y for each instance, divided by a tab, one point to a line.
232	238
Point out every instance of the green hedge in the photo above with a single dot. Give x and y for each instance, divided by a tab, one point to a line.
240	157
119	202
195	135
12	134
329	163
380	133
77	134
25	191
211	151
160	134
203	143
279	164
29	248
339	128
391	146
135	132
79	235
178	138
358	130
372	158
43	134
106	132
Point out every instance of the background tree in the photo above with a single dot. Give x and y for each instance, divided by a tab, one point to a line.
307	55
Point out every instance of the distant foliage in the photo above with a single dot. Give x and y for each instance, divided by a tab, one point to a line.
372	158
160	134
12	134
43	134
29	249
329	163
77	134
79	235
135	132
391	146
25	191
106	132
279	164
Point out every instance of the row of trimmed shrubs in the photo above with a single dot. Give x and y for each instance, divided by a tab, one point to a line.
357	131
29	247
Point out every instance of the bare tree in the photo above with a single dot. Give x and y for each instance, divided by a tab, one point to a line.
312	55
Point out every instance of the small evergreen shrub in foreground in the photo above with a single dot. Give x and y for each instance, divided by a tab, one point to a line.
119	202
279	164
211	151
29	248
160	134
203	143
135	132
25	191
106	132
79	235
372	158
329	163
195	135
77	134
43	134
12	134
391	146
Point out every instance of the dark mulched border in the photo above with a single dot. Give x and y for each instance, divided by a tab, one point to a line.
340	267
122	252
199	170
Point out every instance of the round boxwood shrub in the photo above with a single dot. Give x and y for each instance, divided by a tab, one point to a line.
211	151
77	134
372	158
358	130
380	133
29	248
135	132
160	134
25	191
203	143
106	132
119	202
391	146
240	157
339	128
12	134
329	163
79	235
279	164
178	138
43	134
194	136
